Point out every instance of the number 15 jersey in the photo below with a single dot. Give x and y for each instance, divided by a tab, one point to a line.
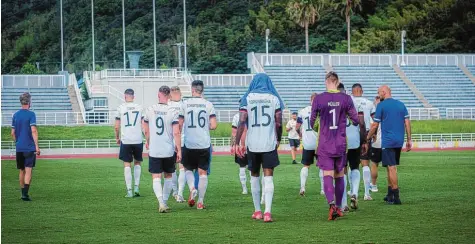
197	112
261	108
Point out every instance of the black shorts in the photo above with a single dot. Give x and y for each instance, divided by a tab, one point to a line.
353	157
243	162
129	152
268	160
294	143
391	156
367	156
375	155
25	159
196	158
160	165
308	156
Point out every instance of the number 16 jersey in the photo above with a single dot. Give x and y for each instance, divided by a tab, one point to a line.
261	134
197	112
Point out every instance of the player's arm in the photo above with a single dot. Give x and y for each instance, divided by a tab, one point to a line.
407	124
352	113
240	131
299	125
278	126
213	124
13	134
177	137
34	133
117	127
314	112
233	138
288	127
146	129
377	119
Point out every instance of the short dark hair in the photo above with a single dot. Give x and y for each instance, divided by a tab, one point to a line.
341	86
25	98
175	88
294	113
129	92
356	85
331	75
198	86
165	90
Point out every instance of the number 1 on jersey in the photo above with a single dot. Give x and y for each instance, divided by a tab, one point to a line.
334	126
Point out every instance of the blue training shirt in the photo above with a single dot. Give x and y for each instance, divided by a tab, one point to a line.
391	114
22	121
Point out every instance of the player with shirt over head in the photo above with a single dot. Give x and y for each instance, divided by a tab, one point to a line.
128	134
309	141
162	132
200	118
261	110
333	107
242	162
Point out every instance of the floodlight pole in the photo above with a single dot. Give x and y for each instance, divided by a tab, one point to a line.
62	38
154	39
267	46
123	32
184	36
92	25
403	41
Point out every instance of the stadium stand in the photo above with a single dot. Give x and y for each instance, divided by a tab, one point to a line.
225	97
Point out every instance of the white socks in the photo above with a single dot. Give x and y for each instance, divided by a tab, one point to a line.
344	201
167	189
202	185
355	179
190	179
242	178
263	183
320	174
366	179
181	182
174	183
269	192
303	177
157	189
256	193
137	172
128	178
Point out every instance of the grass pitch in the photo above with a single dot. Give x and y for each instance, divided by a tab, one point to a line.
82	201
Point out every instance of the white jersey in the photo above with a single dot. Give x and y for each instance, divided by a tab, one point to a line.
130	116
179	107
235	123
367	107
197	112
309	136
292	125
353	131
160	119
261	135
377	143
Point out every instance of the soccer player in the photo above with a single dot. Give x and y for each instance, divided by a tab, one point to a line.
333	107
261	109
25	136
163	137
393	116
128	134
294	137
178	182
242	162
200	118
375	153
309	141
367	107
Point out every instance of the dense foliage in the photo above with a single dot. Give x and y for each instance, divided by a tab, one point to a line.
221	32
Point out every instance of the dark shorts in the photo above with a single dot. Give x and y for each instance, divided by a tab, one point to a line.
196	158
353	157
243	162
308	156
129	152
332	163
391	156
294	143
160	165
268	160
25	159
376	155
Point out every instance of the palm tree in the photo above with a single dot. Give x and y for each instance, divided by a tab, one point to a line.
347	7
305	13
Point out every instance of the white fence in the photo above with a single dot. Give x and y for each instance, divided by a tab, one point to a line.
460	113
468	60
256	65
33	81
224	80
135	73
360	60
66	118
416	59
423	113
293	59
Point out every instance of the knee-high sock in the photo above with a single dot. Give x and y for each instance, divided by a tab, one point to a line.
344	199
174	183
202	186
137	173
339	191
366	179
263	183
128	178
190	179
303	177
329	189
269	192
157	189
167	189
242	178
320	174
197	178
181	182
349	180
256	193
355	178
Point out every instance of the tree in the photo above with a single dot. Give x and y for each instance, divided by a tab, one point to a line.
305	13
347	7
30	69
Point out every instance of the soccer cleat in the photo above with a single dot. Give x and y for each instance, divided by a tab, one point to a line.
129	194
191	199
346	209
267	217
244	191
397	201
333	212
200	206
322	193
163	209
385	198
368	198
136	191
348	193
257	215
354	202
26	198
374	188
302	192
294	162
179	199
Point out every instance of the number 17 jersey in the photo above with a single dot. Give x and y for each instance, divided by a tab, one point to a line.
261	108
130	116
197	112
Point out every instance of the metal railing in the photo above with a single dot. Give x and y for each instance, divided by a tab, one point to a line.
424	113
417	59
293	59
66	118
360	60
468	60
136	73
225	80
73	82
106	89
100	102
460	113
33	81
256	65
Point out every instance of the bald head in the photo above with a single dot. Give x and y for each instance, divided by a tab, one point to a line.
384	92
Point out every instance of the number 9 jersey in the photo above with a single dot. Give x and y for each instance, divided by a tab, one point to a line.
197	112
261	132
130	116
